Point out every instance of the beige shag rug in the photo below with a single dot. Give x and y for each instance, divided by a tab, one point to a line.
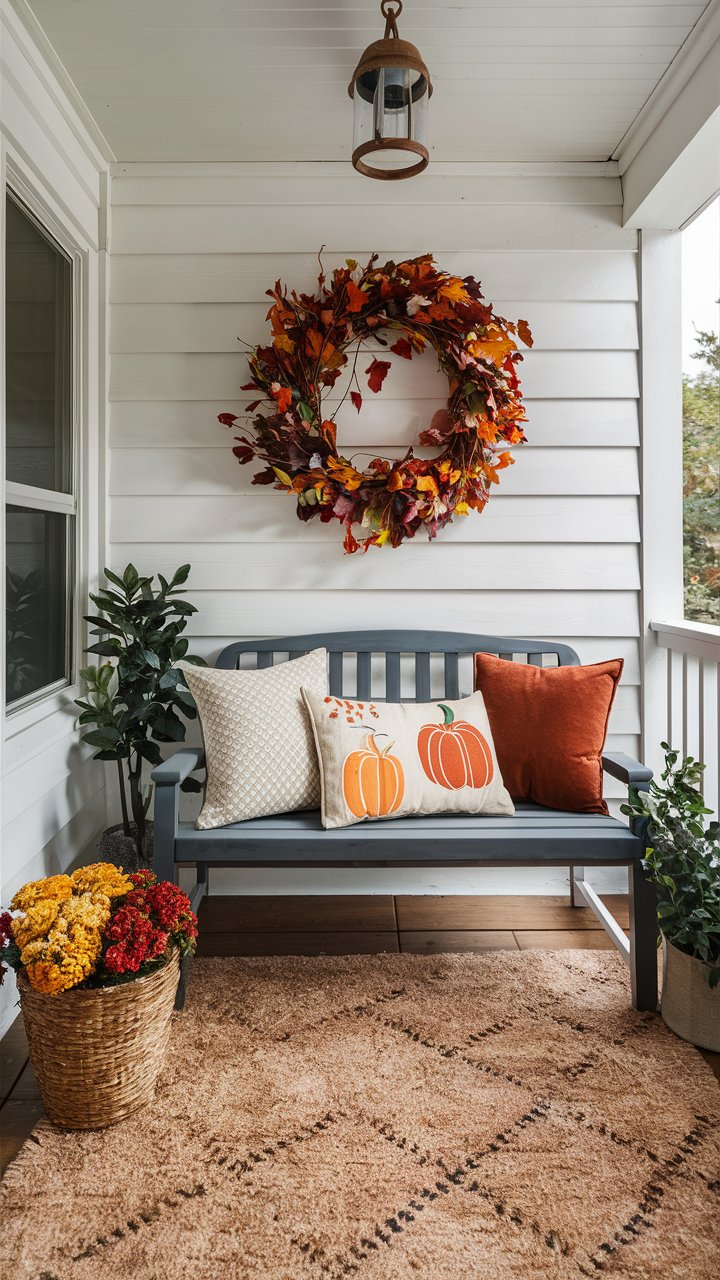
395	1117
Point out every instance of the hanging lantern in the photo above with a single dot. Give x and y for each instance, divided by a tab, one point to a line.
390	91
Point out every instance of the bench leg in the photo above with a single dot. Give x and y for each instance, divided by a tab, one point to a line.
165	832
643	940
576	898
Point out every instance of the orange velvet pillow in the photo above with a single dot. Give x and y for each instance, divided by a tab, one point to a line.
549	725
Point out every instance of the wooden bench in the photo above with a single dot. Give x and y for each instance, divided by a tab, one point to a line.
534	836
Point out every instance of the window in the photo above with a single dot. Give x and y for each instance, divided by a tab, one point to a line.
701	415
40	504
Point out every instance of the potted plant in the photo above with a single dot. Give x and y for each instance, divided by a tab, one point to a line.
683	862
133	700
97	954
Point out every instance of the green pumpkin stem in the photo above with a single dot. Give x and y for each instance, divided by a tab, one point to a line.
449	715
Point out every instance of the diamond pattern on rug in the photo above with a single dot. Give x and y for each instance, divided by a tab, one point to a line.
391	1118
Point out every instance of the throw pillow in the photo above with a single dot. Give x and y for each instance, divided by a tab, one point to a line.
391	760
549	726
259	747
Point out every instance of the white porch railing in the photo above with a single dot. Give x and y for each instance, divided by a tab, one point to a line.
693	689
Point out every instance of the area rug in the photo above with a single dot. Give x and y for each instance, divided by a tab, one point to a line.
395	1117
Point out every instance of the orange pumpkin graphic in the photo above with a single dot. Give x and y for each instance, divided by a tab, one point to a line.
373	781
455	754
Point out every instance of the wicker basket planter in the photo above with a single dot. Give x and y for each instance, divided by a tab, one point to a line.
97	1054
690	1006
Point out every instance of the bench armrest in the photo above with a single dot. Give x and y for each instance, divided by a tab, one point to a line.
629	771
175	770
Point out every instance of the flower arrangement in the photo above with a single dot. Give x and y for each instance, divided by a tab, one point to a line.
94	928
296	442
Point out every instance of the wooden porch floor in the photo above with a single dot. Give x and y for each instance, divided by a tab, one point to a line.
306	925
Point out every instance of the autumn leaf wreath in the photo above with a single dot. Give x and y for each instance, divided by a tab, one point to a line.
393	498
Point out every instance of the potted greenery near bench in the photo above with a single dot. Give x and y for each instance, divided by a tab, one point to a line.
138	698
683	861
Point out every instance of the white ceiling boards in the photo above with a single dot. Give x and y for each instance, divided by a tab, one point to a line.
266	80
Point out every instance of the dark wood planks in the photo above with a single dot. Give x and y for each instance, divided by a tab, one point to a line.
496	911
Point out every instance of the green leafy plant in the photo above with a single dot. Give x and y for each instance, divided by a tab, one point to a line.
137	698
701	483
682	858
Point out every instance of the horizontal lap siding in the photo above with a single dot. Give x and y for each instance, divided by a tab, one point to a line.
193	254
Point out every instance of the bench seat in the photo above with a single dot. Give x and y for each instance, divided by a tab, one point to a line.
298	839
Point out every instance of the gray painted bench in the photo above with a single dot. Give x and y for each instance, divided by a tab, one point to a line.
534	837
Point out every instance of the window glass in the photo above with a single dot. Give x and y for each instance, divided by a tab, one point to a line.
36	599
39	407
38	360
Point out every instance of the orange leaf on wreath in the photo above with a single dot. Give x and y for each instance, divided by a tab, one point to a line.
283	396
314	343
524	332
356	298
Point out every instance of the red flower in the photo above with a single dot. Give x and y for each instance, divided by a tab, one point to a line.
133	941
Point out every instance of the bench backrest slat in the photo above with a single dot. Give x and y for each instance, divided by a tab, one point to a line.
421	646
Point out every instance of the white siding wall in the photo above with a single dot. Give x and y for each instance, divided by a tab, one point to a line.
53	795
555	554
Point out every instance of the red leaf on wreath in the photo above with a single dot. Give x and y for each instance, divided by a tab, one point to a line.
356	298
252	407
227	419
356	399
249	386
377	373
402	348
244	453
350	542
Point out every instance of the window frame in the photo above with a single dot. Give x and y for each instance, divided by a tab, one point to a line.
23	712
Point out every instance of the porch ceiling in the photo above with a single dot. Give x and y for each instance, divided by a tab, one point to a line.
230	80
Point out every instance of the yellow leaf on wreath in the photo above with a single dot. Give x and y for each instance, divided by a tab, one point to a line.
283	477
462	509
494	346
454	290
283	343
426	484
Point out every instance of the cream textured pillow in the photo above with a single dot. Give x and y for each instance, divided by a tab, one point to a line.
259	747
391	760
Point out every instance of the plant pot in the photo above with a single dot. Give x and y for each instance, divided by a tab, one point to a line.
690	1006
116	847
97	1054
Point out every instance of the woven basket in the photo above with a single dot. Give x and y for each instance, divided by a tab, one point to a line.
690	1006
97	1054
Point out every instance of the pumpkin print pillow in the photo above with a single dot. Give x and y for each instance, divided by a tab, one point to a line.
393	760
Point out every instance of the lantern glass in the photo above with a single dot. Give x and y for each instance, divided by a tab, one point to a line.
390	103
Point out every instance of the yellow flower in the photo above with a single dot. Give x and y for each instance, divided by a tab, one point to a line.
36	923
46	978
33	951
90	910
102	877
53	888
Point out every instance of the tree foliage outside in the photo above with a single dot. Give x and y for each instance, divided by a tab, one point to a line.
701	483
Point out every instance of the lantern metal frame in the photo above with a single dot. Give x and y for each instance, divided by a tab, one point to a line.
391	51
